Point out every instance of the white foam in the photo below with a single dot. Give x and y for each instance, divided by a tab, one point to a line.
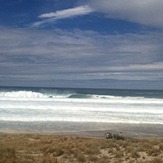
22	94
35	106
29	95
84	104
69	119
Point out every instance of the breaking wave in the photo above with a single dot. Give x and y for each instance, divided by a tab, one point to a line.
78	95
34	95
22	94
80	105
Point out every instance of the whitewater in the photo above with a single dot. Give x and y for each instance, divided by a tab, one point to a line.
81	105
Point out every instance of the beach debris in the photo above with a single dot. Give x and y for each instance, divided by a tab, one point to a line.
109	135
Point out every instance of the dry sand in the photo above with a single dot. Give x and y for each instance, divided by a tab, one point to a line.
70	142
34	148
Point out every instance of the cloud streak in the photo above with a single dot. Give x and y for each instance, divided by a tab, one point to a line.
63	14
146	12
80	10
58	55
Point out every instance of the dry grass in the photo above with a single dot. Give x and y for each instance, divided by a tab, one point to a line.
61	149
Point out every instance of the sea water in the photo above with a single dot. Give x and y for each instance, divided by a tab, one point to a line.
81	105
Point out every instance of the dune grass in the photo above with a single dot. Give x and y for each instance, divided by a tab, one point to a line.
72	149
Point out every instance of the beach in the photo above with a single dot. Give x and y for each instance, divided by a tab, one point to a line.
82	128
79	147
69	125
81	81
67	142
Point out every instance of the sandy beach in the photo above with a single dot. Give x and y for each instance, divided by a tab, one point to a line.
81	81
62	129
82	128
69	142
76	142
29	148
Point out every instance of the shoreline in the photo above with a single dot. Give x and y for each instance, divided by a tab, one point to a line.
88	129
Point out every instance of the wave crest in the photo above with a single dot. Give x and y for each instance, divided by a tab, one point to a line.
22	94
78	95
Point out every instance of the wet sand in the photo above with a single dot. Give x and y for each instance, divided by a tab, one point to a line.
82	128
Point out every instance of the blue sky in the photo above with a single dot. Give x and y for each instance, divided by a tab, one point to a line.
81	43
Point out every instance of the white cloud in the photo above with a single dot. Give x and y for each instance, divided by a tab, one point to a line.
81	10
63	14
147	12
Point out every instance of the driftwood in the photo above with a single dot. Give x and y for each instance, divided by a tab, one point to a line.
110	135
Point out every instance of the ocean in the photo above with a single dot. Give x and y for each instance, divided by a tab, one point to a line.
18	104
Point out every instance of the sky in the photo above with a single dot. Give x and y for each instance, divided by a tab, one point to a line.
82	43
